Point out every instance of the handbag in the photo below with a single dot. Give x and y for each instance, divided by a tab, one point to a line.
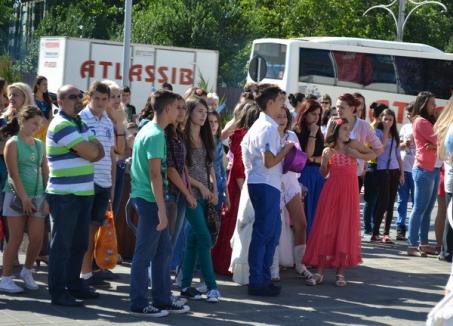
105	246
37	201
211	214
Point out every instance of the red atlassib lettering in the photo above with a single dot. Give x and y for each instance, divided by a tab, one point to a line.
163	74
149	69
400	106
87	68
185	76
136	70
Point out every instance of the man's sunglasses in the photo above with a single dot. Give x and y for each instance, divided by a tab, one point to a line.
75	96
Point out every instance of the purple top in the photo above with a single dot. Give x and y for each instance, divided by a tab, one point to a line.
394	153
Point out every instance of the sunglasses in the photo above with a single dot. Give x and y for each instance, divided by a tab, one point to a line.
324	102
75	96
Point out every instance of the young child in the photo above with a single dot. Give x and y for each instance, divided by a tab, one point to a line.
293	203
149	181
27	174
334	241
263	153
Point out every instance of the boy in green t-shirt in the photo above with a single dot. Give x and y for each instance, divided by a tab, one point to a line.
149	180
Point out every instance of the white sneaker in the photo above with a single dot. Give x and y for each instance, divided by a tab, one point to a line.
213	296
27	276
202	288
8	285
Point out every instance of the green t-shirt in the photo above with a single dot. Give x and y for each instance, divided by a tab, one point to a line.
29	159
149	144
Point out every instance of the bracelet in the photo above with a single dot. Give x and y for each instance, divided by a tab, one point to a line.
312	137
118	135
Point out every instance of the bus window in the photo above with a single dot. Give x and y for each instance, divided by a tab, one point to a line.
382	75
315	66
410	74
350	68
275	56
439	77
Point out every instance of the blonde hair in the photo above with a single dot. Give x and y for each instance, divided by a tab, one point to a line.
28	97
441	128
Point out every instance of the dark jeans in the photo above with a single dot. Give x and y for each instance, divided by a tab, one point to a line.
447	243
387	187
70	220
119	185
266	232
405	192
370	197
154	247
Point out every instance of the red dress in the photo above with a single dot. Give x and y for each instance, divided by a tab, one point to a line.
221	253
335	236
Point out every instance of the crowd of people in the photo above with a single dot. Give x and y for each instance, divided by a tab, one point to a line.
171	169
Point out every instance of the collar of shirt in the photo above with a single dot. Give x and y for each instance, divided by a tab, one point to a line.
264	116
88	112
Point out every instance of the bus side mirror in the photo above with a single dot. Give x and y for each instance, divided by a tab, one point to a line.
257	68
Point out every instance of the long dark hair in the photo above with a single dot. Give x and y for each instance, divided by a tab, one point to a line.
420	104
219	121
333	130
307	106
148	111
393	129
205	131
45	95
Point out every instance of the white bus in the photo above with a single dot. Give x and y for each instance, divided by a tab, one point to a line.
382	71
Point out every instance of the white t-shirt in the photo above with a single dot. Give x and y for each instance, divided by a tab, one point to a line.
407	155
263	136
102	129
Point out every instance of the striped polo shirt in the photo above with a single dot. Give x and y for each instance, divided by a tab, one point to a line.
102	129
68	172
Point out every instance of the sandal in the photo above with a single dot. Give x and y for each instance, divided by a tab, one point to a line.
415	252
340	282
386	239
315	279
428	250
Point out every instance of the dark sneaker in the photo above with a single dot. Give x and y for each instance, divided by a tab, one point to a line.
178	300
85	293
105	275
264	291
191	293
96	282
150	311
67	300
174	308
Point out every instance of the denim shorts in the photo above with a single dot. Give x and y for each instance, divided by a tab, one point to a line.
100	204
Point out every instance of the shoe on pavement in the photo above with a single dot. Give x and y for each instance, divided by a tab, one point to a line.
191	293
8	285
27	276
174	308
178	300
213	296
96	282
105	274
263	291
67	300
150	311
86	292
202	288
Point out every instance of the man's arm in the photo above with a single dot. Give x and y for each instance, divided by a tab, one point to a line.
89	150
157	189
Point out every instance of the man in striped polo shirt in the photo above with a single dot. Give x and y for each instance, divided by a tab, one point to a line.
70	189
100	125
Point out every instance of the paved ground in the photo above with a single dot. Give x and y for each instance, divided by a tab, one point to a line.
389	288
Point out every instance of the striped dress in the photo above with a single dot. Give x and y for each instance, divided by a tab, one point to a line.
68	172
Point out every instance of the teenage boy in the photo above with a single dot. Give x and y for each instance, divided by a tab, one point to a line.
263	152
131	112
101	126
148	183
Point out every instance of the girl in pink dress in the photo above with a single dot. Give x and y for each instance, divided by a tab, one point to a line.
334	241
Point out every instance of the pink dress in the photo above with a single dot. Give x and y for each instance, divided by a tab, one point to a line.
335	236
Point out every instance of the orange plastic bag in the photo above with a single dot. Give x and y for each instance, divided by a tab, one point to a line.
106	249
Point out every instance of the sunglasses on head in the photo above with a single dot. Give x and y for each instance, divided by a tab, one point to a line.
75	96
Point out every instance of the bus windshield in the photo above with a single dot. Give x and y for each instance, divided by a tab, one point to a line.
275	57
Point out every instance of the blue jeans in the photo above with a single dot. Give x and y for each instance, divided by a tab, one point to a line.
266	232
176	212
405	191
150	246
70	218
425	194
371	198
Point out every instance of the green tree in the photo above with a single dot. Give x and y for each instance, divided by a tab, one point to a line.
6	10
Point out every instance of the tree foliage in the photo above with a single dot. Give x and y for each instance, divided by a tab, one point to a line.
230	26
6	9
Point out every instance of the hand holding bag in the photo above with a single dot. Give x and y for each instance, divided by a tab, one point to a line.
106	247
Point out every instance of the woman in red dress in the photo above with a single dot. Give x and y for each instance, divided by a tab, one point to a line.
334	241
221	253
